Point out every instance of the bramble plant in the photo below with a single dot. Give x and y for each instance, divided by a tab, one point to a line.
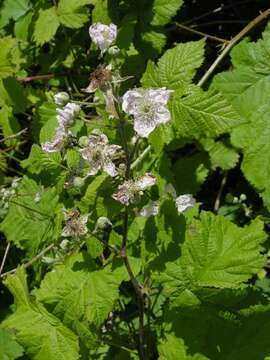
111	250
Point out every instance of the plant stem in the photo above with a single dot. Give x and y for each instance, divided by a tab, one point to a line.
211	37
141	157
4	258
222	185
32	261
123	252
231	44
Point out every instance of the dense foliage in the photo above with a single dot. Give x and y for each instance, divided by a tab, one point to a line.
107	138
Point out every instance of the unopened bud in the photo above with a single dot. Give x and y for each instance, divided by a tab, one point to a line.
113	50
61	98
243	197
103	223
64	244
83	141
78	182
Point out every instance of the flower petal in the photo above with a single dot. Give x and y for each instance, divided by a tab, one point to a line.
143	125
184	202
146	181
130	101
109	167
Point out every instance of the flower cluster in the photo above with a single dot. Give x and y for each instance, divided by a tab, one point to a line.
65	118
103	35
75	224
148	107
6	193
99	154
129	192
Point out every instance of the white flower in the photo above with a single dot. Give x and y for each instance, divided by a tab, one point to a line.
130	191
66	116
149	108
57	143
99	154
151	210
184	202
103	35
65	119
61	98
75	224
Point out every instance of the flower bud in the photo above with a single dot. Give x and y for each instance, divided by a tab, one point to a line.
64	244
83	141
78	182
243	197
113	50
61	98
103	223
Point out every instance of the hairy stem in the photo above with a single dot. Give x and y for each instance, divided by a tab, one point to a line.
4	258
32	261
197	32
123	252
231	44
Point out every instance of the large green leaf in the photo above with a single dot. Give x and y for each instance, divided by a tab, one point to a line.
173	348
247	88
72	14
164	10
8	56
46	25
253	140
33	211
202	113
42	335
176	68
9	348
13	9
76	295
216	253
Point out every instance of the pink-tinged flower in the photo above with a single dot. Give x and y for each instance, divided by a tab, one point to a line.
67	115
65	118
149	108
99	154
75	224
130	191
184	202
103	35
57	143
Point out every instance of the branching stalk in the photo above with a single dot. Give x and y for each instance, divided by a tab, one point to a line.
231	44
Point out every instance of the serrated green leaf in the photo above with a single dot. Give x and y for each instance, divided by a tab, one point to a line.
203	113
72	14
216	253
46	25
221	154
164	10
8	124
42	335
177	67
173	348
39	160
10	349
13	9
33	212
253	140
247	88
22	26
79	294
8	48
12	94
